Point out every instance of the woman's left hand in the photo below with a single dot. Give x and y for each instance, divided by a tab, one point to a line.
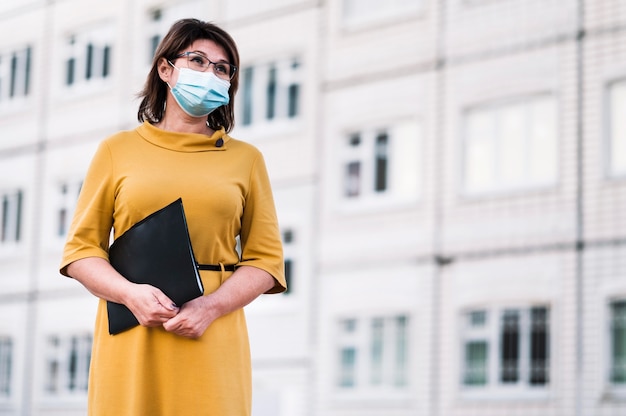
193	319
236	292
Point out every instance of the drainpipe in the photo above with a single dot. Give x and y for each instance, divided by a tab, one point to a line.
580	231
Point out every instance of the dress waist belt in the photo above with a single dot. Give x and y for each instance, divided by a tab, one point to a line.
217	267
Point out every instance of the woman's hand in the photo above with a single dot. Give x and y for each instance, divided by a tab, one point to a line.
150	306
193	319
195	316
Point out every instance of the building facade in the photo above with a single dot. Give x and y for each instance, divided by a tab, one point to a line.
450	179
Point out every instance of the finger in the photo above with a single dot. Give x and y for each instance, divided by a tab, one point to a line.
166	302
171	324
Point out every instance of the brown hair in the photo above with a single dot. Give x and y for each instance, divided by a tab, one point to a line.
180	36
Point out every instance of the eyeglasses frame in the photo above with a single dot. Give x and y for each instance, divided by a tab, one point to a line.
233	68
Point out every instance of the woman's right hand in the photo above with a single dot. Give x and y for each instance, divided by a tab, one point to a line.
150	305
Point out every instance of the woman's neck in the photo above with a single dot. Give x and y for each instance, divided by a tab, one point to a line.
184	123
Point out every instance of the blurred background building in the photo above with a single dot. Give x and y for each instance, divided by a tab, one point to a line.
450	177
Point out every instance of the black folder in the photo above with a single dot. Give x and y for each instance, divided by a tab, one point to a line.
155	251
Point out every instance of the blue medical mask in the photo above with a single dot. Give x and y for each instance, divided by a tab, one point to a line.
199	93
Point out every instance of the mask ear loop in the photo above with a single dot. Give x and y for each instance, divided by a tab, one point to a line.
173	66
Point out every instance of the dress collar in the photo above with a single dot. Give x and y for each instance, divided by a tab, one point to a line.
183	142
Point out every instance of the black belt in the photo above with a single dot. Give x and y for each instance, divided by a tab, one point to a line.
217	267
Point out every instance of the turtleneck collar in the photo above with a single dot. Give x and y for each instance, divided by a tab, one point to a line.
183	142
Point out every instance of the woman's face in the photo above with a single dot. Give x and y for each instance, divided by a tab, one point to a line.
205	47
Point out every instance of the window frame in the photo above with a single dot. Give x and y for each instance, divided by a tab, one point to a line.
16	77
494	388
360	341
491	109
403	164
57	386
266	89
66	203
12	206
88	74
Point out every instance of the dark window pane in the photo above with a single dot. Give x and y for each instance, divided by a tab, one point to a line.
288	236
88	362
381	162
157	14
510	337
5	218
288	275
13	79
353	179
62	222
73	365
248	75
294	97
69	80
271	94
618	342
106	57
27	70
539	347
18	216
89	66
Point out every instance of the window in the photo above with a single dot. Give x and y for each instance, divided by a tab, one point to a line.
68	194
6	366
618	343
382	164
11	210
159	19
366	11
271	92
617	129
156	30
506	348
373	354
15	75
511	146
88	57
67	365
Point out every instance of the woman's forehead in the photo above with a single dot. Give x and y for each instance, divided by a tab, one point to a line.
209	48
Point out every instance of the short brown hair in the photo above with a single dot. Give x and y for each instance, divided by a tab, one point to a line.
180	36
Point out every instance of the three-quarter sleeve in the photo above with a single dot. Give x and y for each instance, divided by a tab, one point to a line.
89	232
261	245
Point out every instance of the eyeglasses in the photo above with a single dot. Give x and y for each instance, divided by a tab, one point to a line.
201	63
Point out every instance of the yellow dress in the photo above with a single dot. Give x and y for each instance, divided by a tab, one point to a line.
226	193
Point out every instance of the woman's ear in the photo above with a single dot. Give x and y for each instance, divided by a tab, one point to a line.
165	70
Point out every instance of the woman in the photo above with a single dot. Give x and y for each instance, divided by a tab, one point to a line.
190	359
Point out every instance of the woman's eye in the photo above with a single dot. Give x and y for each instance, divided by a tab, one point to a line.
221	68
